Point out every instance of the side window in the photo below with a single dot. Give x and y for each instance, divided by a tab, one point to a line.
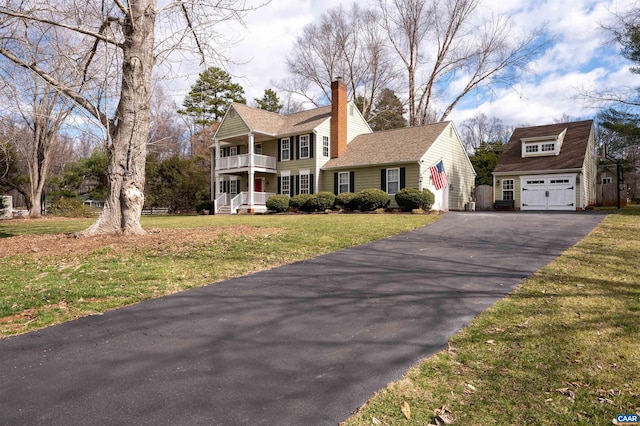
343	182
325	146
507	189
285	149
393	181
304	146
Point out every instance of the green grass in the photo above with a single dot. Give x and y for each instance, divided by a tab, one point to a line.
44	288
563	349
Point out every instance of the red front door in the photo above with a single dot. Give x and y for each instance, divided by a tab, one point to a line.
257	186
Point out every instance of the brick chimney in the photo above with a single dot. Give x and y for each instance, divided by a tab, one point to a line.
338	118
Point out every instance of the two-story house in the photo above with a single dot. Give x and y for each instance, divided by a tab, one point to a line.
257	154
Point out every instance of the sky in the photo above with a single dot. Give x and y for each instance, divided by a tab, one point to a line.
579	57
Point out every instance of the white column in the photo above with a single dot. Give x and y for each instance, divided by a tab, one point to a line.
252	174
215	159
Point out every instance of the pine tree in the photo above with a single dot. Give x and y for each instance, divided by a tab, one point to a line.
388	112
269	102
210	97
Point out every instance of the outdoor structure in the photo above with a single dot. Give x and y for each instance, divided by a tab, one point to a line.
7	211
257	154
551	167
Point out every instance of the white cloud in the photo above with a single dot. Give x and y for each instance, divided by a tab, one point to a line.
578	57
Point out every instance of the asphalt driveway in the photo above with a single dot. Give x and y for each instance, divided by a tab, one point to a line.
304	344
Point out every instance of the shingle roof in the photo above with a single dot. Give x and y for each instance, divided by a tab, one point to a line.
275	124
571	156
390	146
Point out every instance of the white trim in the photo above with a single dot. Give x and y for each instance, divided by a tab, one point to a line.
388	180
282	140
308	141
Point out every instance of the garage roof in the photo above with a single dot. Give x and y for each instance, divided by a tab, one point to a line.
571	156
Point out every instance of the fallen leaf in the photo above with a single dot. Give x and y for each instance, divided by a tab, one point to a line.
470	386
614	392
443	416
375	421
603	400
406	410
568	393
490	342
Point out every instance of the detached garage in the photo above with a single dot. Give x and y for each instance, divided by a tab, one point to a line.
550	167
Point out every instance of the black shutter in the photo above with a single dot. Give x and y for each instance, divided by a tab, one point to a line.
294	148
335	183
383	179
292	186
279	184
279	150
311	183
297	184
352	181
311	145
403	181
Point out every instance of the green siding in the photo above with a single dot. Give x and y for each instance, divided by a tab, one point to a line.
233	125
369	177
497	193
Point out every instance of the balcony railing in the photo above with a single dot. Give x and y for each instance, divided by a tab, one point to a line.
242	161
242	199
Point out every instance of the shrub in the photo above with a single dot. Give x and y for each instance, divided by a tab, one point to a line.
409	199
278	203
71	207
345	200
204	205
320	202
299	201
371	199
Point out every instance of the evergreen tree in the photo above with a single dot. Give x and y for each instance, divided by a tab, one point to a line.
388	112
269	102
484	161
210	96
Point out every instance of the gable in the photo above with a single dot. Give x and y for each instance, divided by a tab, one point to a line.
570	151
232	125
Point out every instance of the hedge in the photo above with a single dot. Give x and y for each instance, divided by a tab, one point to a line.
371	199
412	198
320	202
278	203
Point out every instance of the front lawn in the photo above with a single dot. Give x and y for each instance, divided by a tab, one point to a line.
47	277
563	349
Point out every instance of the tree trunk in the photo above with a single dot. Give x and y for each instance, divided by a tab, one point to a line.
127	152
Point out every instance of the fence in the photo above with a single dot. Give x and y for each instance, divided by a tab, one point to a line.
484	197
606	195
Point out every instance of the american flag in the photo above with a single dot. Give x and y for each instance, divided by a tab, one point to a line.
439	176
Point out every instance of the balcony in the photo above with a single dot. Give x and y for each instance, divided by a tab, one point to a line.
241	163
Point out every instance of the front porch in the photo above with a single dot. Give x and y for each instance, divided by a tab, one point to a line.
233	203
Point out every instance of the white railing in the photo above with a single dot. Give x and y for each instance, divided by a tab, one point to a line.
264	161
241	161
236	202
222	200
242	199
261	197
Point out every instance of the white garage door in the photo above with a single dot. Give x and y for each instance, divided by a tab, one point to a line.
548	192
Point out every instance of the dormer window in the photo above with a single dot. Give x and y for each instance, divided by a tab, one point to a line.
542	145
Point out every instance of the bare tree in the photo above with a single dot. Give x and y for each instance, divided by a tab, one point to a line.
482	129
37	108
124	31
168	135
344	43
440	42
